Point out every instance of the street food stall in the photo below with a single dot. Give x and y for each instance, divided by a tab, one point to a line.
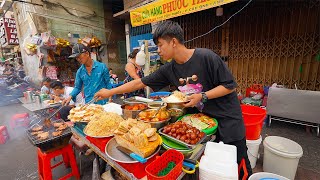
144	138
133	145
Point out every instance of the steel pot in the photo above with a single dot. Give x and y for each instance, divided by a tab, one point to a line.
158	124
176	116
131	113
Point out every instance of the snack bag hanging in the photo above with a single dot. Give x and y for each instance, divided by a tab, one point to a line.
189	89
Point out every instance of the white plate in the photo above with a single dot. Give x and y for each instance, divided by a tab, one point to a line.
142	99
113	153
180	102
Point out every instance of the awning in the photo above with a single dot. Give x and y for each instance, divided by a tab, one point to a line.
166	9
125	14
122	14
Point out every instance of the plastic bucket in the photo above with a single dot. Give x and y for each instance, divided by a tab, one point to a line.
281	156
253	151
253	117
270	176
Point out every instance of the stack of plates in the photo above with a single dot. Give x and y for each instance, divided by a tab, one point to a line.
169	144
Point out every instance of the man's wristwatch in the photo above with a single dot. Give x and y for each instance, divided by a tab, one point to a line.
204	97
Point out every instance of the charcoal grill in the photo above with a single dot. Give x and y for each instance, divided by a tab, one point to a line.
52	142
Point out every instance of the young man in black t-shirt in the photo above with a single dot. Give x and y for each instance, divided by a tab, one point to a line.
219	96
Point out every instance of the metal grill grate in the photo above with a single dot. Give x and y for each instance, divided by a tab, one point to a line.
36	141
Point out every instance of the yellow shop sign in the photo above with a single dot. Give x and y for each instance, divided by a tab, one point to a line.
166	9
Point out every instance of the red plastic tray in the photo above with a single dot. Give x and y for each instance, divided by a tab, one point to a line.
138	169
99	142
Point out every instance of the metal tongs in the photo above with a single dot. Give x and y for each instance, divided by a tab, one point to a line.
90	102
47	121
157	111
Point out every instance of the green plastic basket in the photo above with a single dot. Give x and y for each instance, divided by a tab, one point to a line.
208	131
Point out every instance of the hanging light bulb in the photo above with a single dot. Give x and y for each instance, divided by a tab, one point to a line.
141	57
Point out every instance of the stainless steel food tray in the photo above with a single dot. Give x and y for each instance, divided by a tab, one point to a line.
190	146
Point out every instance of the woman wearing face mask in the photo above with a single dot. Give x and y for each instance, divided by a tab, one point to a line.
133	71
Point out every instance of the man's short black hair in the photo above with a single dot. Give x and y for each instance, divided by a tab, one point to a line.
168	30
46	79
56	84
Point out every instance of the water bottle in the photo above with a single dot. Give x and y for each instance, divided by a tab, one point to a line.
37	99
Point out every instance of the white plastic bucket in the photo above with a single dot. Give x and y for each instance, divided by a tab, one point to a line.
281	156
261	175
253	151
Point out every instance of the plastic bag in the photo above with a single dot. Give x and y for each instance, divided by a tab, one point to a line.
254	90
141	57
96	169
51	72
193	89
36	39
86	41
50	56
42	71
48	39
28	47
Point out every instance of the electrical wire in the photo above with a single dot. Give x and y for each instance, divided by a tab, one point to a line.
69	12
63	7
27	2
86	17
220	24
10	6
